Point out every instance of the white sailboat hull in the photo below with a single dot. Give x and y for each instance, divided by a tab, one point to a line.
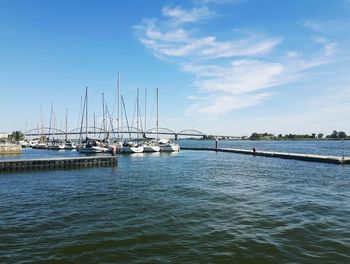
169	148
95	149
130	150
148	148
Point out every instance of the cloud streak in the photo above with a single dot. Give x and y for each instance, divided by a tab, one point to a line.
228	73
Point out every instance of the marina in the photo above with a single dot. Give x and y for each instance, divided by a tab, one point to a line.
203	131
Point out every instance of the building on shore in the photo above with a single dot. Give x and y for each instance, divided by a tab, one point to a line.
4	135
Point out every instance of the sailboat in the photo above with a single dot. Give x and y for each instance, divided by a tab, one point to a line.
165	144
90	146
131	146
41	143
54	144
68	144
149	145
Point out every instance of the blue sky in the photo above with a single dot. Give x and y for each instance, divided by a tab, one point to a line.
228	67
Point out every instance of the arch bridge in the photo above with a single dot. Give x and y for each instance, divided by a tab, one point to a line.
98	131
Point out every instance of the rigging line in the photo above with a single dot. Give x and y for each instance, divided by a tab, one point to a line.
82	120
133	115
126	116
110	120
152	113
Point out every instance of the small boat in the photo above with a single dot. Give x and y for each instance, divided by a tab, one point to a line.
93	146
167	146
130	147
23	143
55	145
150	147
39	146
69	145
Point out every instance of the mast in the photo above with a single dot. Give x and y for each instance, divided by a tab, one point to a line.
50	124
118	103
103	115
157	122
121	122
137	113
54	125
66	137
126	116
41	123
145	107
82	118
86	111
94	125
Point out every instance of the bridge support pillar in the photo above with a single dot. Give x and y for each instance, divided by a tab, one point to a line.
176	136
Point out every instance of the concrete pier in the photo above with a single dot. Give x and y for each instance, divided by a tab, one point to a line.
9	149
283	155
57	163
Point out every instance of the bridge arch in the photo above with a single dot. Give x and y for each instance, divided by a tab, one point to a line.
43	131
191	132
161	130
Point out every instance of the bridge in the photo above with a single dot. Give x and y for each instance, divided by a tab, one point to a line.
129	132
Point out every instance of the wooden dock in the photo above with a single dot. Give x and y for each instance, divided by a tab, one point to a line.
282	155
57	163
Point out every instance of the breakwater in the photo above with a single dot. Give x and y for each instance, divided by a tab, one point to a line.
283	155
6	149
57	163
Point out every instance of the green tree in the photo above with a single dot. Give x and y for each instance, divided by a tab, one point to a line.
320	135
342	134
255	136
16	136
334	134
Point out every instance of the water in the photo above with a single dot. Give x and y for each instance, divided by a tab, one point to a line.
174	208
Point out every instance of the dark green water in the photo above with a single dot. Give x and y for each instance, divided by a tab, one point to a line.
191	207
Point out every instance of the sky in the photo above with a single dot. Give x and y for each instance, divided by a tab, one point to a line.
224	67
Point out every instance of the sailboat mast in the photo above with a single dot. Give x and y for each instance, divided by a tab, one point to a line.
66	137
103	115
86	111
118	103
137	113
126	116
42	123
157	122
94	125
145	108
50	124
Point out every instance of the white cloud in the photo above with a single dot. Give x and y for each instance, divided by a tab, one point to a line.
292	54
239	77
178	42
232	73
179	15
219	105
326	26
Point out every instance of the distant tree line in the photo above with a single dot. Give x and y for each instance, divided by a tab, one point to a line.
265	136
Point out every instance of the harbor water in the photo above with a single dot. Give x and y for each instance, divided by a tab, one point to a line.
187	207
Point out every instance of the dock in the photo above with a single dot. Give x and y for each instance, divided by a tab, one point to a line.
57	163
9	149
282	155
